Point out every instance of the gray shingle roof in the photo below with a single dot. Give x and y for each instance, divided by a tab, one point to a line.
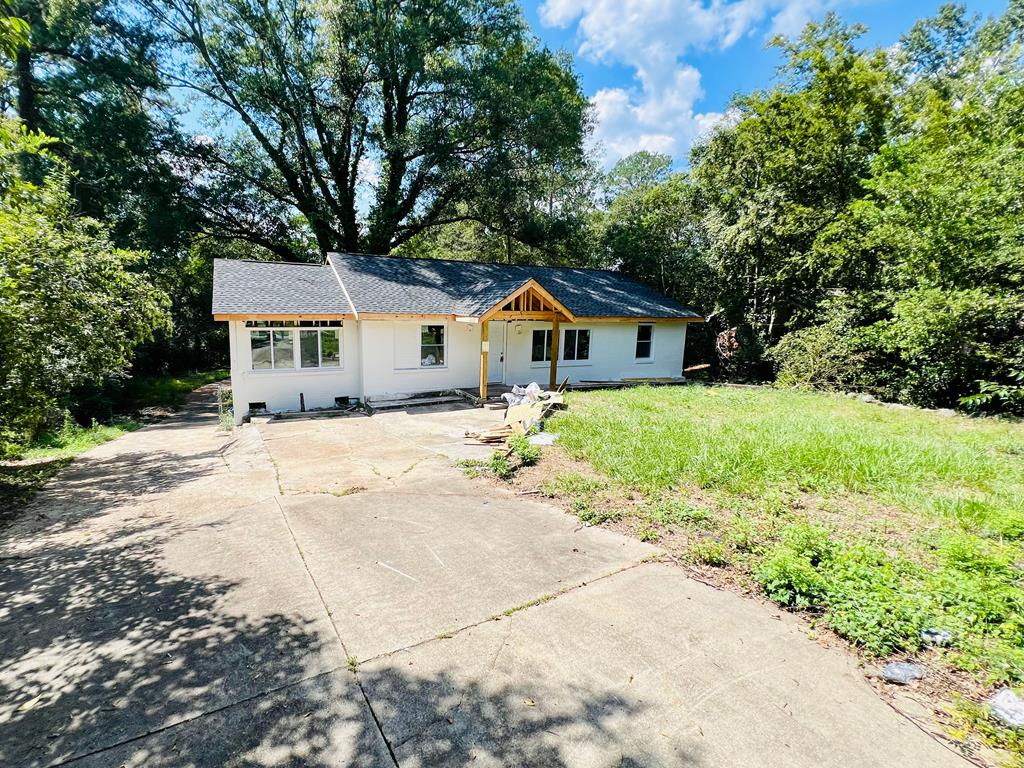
392	284
242	287
435	286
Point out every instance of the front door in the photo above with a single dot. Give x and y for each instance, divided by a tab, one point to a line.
496	354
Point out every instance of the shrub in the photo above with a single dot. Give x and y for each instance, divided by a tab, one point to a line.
822	356
524	450
811	542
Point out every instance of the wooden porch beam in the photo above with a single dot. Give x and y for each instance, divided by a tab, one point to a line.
553	373
484	343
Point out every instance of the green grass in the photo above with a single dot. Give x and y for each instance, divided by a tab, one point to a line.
881	522
167	391
73	439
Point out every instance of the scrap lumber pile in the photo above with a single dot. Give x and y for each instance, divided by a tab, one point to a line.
519	418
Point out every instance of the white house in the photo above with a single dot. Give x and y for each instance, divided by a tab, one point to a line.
370	327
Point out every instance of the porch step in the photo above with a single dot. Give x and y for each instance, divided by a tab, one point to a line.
412	402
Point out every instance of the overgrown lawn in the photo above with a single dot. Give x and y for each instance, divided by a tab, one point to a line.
881	522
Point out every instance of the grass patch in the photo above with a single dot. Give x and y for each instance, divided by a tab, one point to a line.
880	522
73	439
167	391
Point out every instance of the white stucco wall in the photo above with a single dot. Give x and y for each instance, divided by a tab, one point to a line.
280	389
612	353
390	351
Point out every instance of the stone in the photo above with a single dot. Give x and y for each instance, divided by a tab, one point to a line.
936	637
901	672
867	398
1007	708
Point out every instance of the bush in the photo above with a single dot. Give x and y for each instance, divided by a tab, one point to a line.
822	356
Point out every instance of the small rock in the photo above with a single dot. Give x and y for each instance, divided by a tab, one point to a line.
901	673
867	398
945	412
937	637
1007	707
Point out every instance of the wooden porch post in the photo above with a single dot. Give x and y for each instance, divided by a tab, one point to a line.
484	336
553	377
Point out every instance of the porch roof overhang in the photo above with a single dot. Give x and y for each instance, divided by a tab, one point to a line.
530	301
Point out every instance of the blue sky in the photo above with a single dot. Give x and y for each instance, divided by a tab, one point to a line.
659	72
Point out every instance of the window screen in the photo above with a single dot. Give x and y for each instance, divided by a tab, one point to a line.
541	346
577	344
644	341
431	345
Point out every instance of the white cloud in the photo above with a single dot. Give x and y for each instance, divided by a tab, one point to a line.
651	37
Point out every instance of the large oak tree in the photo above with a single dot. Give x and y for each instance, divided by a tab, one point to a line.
373	119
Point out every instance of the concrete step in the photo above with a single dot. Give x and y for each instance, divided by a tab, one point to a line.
412	402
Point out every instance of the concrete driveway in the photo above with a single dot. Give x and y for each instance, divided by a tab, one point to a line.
336	593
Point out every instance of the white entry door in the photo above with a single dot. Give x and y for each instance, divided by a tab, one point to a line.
496	355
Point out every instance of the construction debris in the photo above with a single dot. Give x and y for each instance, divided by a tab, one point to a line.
532	407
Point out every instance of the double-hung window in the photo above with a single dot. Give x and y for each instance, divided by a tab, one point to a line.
644	341
431	345
577	344
541	348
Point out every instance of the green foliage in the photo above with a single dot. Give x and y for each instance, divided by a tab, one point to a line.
71	439
790	579
466	116
72	310
671	511
823	356
709	552
526	453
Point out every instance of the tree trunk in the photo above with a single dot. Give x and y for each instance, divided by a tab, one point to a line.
26	89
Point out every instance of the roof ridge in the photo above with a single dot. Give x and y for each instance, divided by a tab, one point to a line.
274	261
487	263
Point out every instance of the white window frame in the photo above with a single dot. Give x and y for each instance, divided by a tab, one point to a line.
320	348
273	358
443	345
636	341
546	354
565	345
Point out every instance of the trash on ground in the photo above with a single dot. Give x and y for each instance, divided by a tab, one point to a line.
1007	708
901	672
937	637
527	409
543	438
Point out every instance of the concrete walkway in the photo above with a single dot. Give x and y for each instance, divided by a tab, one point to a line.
180	597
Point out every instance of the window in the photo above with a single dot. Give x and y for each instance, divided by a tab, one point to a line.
577	344
541	346
644	341
431	345
269	323
271	349
320	348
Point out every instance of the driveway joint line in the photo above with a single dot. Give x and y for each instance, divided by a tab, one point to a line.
535	603
197	716
337	634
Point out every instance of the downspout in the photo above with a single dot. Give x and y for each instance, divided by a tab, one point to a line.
359	328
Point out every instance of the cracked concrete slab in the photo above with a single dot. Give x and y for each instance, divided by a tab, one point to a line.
644	668
399	567
183	597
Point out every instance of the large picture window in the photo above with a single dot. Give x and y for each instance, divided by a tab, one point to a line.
320	348
644	341
431	345
541	346
577	344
